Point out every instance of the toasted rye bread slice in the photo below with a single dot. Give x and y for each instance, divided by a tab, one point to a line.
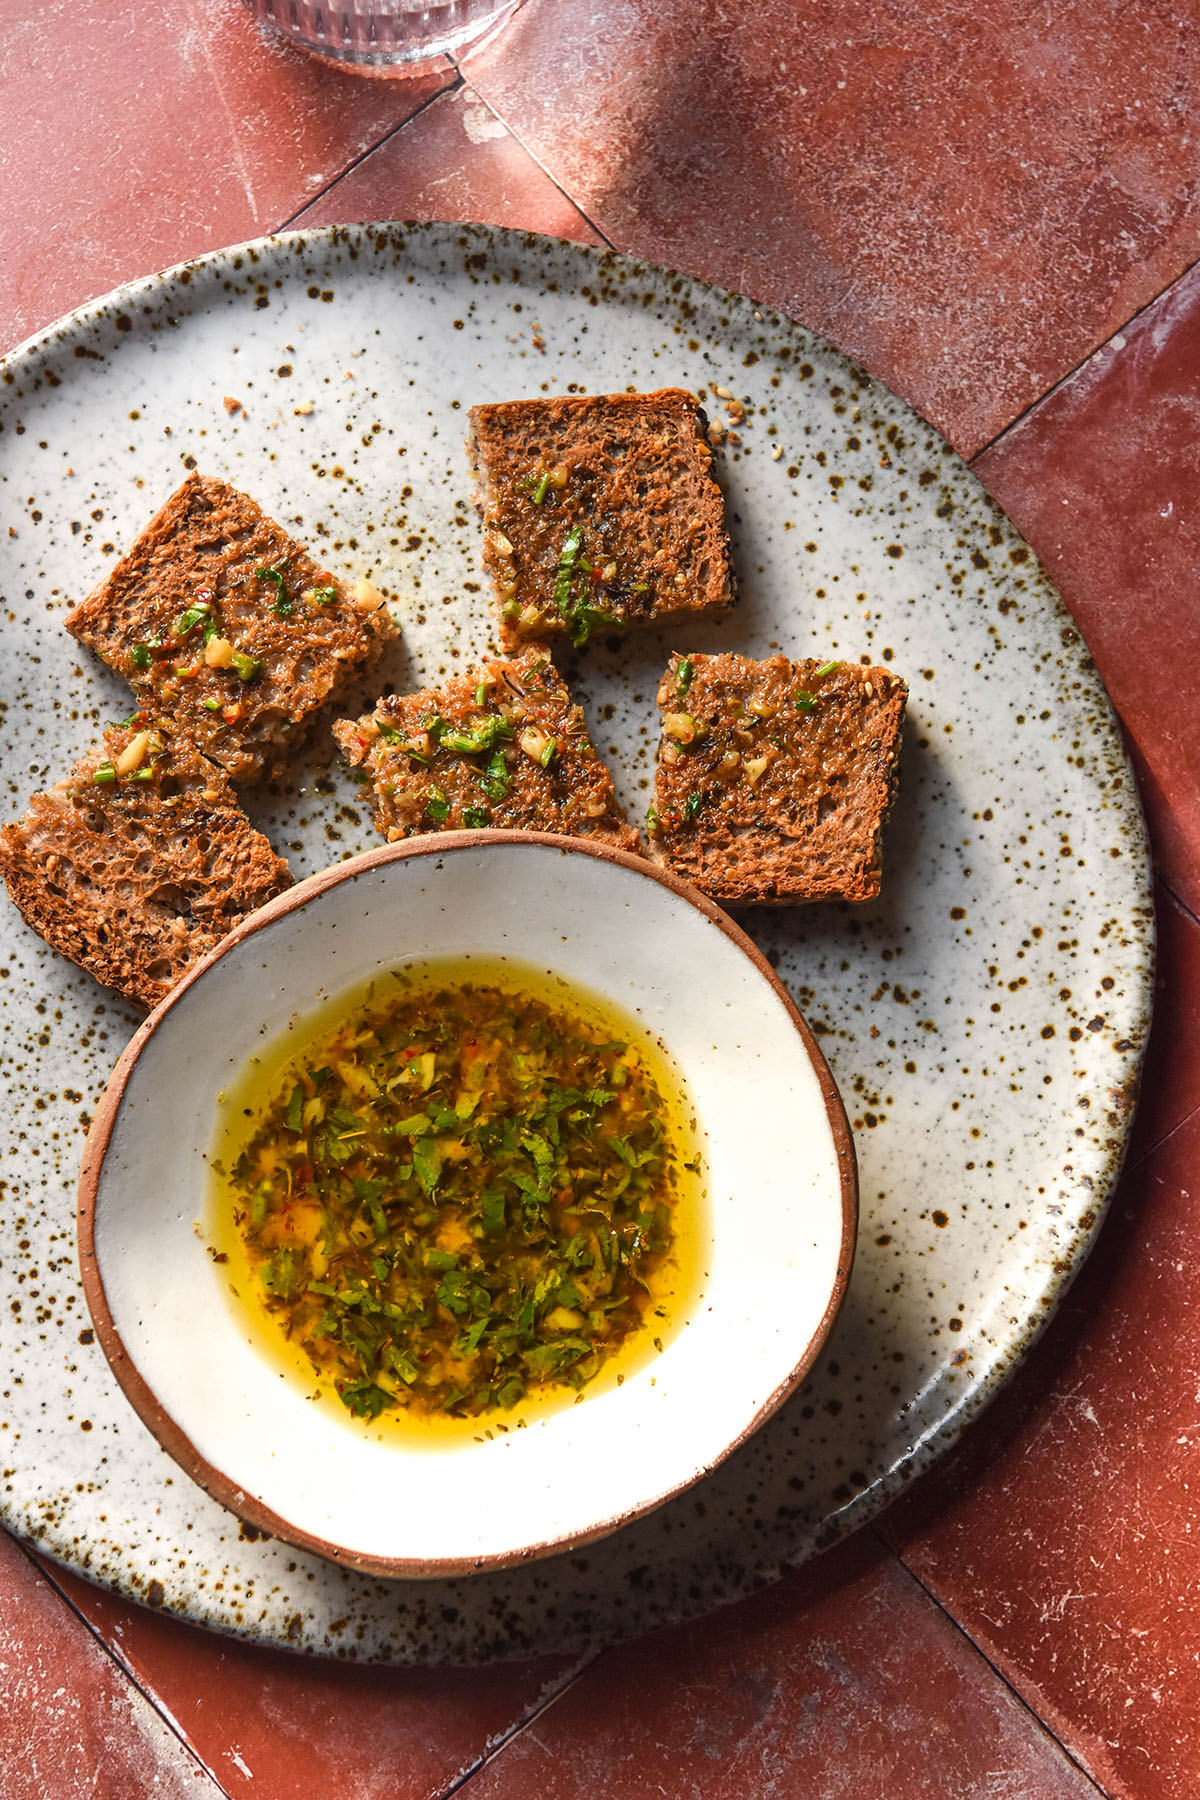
774	778
502	746
222	622
600	512
135	875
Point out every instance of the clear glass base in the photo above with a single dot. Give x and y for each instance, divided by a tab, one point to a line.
384	37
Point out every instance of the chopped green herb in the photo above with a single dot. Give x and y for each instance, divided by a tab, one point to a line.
437	805
211	703
825	669
522	1244
804	702
475	817
691	807
322	596
246	667
483	735
684	671
427	1164
582	617
541	488
283	606
188	621
105	772
568	560
140	656
496	780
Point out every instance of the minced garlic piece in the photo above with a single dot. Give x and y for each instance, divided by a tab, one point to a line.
218	653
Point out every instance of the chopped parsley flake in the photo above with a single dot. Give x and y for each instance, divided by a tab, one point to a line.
473	1200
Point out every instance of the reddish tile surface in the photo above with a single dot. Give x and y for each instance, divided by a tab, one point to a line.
1104	479
198	130
967	195
71	1725
1171	1076
455	161
268	1723
1065	1536
841	1683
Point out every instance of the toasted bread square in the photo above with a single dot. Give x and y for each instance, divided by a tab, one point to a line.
139	862
222	622
501	746
600	512
774	778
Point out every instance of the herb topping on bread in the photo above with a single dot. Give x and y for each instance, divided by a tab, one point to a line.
502	745
221	621
774	778
139	862
600	512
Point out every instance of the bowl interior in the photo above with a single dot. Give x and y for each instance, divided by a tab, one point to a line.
781	1209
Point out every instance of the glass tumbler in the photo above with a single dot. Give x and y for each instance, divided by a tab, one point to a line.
384	37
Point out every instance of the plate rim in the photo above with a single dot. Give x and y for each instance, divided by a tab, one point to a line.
1002	1364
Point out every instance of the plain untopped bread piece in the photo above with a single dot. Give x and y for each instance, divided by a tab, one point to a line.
774	778
221	621
138	863
600	512
501	746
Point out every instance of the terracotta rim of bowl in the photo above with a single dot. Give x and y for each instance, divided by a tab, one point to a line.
174	1440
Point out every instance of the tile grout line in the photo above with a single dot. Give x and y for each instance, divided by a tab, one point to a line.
1010	1687
1185	908
454	86
34	1557
490	1753
535	159
1151	1149
1019	419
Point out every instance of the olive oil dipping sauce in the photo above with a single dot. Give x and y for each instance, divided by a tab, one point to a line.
464	1193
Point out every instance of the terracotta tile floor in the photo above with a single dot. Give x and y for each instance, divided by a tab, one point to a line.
992	205
185	130
1062	1538
967	195
795	1692
264	1720
70	1723
456	160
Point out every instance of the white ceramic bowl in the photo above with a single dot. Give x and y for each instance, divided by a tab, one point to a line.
783	1206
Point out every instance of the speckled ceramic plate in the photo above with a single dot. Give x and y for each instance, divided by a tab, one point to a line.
984	1020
